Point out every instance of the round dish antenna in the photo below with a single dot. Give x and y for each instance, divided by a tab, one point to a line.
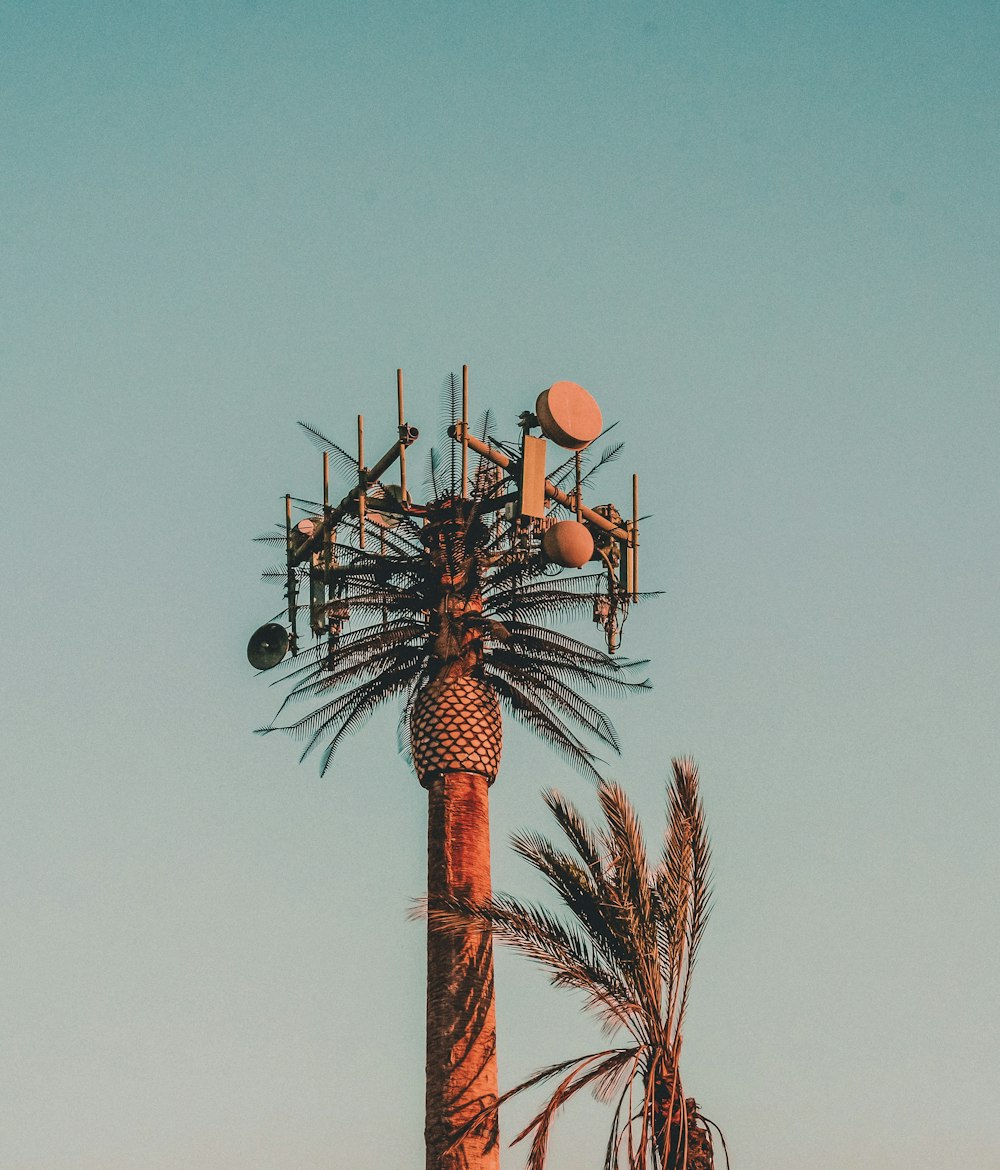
569	415
267	646
568	543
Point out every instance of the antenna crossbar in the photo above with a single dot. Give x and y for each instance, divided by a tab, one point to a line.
314	540
460	433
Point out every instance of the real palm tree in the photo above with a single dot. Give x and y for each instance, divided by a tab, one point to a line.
629	945
449	601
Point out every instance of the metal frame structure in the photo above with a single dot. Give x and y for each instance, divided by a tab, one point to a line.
616	540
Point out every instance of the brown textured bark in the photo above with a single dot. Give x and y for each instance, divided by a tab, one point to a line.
683	1141
461	1024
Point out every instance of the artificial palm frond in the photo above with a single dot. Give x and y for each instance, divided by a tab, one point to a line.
451	395
433	483
566	471
627	940
347	463
436	580
310	507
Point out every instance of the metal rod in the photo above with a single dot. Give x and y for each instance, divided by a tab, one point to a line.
383	465
327	530
579	490
553	493
290	571
635	538
402	445
340	511
362	480
465	431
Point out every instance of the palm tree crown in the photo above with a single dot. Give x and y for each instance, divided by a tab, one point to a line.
448	589
629	946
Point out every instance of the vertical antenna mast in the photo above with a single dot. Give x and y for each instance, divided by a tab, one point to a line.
465	432
635	538
402	445
327	550
290	574
362	480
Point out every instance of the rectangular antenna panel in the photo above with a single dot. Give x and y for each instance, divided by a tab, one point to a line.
531	485
626	568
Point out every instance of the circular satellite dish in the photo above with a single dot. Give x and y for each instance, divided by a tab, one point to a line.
569	415
268	646
568	543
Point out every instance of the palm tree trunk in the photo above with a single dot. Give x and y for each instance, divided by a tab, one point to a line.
669	1119
461	1024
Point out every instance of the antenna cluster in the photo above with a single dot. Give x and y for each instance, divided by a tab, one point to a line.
535	518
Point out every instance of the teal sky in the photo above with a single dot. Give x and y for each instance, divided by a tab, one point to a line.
765	237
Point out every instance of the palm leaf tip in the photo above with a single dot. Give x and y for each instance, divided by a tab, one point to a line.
626	937
540	675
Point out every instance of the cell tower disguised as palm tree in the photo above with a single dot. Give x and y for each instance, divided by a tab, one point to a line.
439	604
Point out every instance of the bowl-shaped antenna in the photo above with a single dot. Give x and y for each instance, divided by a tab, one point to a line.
568	543
569	415
267	646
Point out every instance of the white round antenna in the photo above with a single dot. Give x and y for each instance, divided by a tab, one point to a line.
568	543
569	415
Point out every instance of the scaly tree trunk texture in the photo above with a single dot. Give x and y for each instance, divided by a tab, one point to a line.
461	1025
455	735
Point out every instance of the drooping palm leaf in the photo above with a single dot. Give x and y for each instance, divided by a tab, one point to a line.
628	943
394	631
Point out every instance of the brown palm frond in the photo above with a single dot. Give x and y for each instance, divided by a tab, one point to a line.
592	903
628	946
580	835
584	1073
400	658
683	882
362	646
539	642
500	659
451	402
343	714
564	951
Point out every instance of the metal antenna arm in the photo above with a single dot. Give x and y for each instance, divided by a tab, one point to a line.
291	586
314	541
460	434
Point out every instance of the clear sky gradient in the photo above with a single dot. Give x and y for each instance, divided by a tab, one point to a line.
765	237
